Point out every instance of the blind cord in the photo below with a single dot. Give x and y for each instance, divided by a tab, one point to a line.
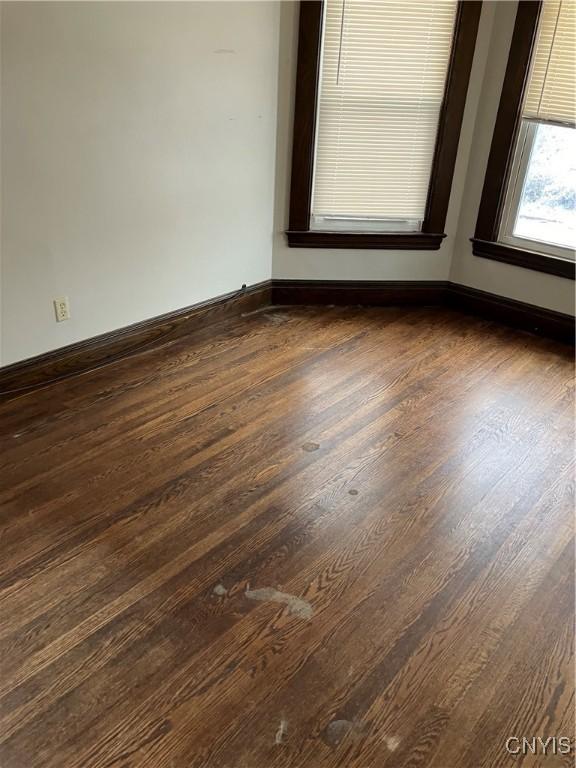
340	42
549	58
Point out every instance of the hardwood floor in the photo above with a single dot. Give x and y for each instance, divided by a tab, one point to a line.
319	537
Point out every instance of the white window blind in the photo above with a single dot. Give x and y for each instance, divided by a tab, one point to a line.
382	81
550	94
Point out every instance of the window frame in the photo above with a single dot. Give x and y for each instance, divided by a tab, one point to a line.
299	233
488	241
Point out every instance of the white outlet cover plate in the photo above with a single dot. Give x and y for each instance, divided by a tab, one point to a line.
62	309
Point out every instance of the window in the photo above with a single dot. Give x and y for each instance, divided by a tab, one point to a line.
381	87
539	211
528	216
383	71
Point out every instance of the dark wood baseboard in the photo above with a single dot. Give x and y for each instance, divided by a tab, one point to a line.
94	353
100	350
368	292
518	314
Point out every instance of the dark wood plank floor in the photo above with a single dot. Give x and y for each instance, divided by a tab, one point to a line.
317	538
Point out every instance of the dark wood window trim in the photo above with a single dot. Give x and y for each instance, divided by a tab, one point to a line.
485	241
309	44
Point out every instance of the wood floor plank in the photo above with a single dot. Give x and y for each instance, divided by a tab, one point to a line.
354	421
407	473
159	461
324	398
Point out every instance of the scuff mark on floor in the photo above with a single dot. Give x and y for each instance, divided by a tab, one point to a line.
309	447
220	590
296	605
281	732
336	731
392	742
277	317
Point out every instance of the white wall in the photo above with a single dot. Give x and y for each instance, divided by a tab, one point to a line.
1	313
138	150
138	144
504	279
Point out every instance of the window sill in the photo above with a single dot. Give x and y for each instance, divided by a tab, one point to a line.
538	262
410	241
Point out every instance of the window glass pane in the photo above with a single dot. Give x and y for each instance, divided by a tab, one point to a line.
547	210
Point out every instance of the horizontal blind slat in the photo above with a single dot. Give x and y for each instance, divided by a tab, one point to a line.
381	92
550	94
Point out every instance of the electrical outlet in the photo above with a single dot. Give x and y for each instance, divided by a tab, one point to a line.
62	309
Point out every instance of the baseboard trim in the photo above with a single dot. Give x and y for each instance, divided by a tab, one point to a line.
98	351
368	292
94	353
517	314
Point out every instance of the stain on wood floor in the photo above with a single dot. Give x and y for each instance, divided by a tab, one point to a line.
317	537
